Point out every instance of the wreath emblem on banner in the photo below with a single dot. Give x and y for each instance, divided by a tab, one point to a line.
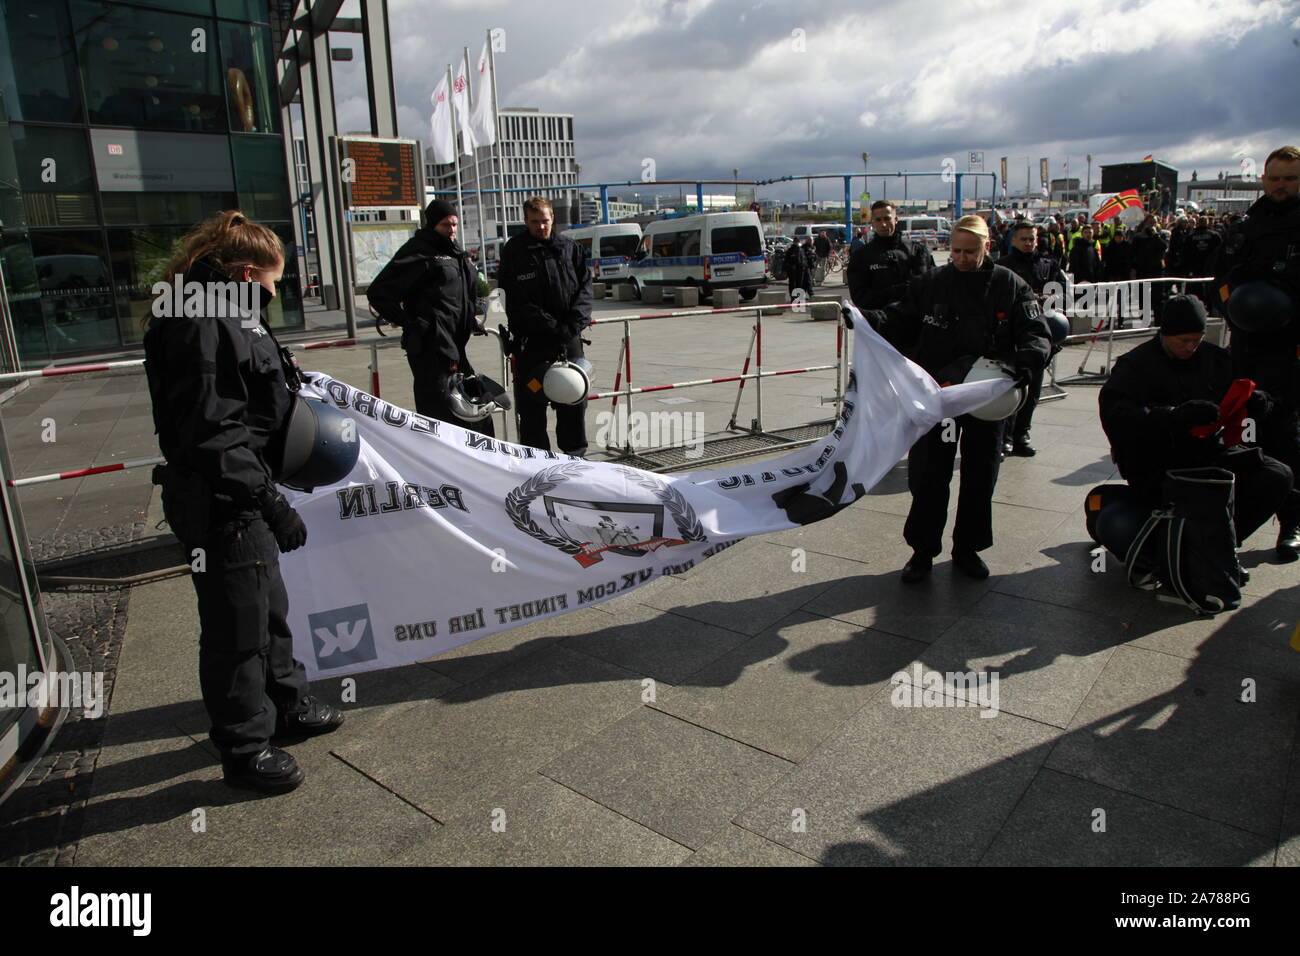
586	529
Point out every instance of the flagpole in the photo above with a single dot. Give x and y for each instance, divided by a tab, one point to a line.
496	140
478	179
455	128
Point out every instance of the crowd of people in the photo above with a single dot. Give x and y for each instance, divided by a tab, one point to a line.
222	395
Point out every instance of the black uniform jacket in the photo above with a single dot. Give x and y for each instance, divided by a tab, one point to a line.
428	290
879	271
950	316
548	292
1144	388
220	396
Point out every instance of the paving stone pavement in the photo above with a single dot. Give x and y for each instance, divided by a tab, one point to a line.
757	711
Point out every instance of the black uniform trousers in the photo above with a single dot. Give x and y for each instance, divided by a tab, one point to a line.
570	420
1262	486
429	382
929	473
1279	437
247	671
1017	426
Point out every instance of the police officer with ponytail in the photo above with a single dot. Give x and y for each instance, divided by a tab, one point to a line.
968	309
221	392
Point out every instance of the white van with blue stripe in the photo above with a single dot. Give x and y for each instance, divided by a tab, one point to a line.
716	250
609	247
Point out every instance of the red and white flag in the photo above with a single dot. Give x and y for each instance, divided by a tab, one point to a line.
460	99
483	118
442	140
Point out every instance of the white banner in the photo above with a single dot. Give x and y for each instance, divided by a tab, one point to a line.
483	118
442	140
441	536
460	99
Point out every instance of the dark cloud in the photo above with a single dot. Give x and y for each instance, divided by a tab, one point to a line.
707	87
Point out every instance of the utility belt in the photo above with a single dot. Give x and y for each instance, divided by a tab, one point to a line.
191	507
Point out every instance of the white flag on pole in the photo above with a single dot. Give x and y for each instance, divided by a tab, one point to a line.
460	97
483	119
443	138
441	536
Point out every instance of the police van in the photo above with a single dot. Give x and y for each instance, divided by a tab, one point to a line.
805	230
934	231
716	250
609	247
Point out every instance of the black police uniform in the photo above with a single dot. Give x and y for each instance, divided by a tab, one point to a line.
799	265
221	403
1149	249
1266	246
428	290
948	318
1037	270
548	303
1118	261
1148	433
880	271
1200	254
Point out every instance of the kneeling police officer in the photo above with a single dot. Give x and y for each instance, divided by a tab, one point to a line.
221	393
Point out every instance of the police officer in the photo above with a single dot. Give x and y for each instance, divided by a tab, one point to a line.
1168	386
1265	246
221	398
966	309
799	264
548	303
881	271
822	248
1200	254
1149	249
1118	262
429	290
1037	270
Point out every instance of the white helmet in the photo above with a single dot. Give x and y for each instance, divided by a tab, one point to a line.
1005	405
475	397
567	381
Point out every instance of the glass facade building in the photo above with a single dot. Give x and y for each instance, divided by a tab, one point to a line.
121	126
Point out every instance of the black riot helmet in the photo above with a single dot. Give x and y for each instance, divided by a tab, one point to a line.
320	445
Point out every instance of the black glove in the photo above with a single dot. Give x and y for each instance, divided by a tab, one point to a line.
1023	375
285	523
1259	405
1193	413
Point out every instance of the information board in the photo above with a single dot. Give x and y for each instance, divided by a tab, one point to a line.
381	172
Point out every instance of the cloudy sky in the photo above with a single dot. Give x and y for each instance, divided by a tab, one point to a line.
778	88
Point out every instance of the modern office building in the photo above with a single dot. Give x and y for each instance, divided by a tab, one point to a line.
534	152
122	125
618	209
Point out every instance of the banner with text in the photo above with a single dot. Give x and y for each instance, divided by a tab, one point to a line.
441	536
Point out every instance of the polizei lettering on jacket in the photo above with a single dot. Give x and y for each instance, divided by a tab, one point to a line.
365	501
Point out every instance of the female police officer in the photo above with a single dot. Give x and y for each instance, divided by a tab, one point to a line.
952	316
221	400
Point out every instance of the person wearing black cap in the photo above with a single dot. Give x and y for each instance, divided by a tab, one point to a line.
1162	392
429	290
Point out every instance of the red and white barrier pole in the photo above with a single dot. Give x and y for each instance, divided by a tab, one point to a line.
83	472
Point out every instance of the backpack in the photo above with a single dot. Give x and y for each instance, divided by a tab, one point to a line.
1191	543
